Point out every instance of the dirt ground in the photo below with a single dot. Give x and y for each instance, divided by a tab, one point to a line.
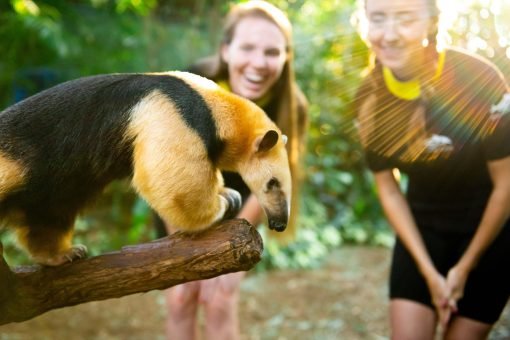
345	299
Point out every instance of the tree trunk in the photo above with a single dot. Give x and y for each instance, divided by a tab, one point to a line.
28	291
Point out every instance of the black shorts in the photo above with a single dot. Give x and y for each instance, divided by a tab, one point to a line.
487	288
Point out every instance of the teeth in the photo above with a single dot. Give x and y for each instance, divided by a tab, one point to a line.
254	77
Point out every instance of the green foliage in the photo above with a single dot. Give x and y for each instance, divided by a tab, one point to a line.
338	184
80	38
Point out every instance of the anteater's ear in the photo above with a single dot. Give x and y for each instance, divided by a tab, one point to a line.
267	141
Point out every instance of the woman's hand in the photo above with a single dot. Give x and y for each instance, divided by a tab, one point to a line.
456	281
441	294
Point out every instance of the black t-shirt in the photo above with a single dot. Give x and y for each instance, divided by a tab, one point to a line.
444	148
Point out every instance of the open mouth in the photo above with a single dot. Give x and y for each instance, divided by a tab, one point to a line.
255	80
253	77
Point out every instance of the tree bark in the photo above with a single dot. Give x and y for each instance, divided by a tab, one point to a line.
28	291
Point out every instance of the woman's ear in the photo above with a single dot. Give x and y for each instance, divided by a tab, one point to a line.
225	52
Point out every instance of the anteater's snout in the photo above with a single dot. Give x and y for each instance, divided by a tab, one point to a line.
277	225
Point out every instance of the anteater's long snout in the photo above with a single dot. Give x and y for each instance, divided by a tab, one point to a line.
279	217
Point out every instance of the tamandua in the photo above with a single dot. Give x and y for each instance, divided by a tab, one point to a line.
171	133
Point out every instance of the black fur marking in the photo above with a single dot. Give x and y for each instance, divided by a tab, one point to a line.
71	139
195	112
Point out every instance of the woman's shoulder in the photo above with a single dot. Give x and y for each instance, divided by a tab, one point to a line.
467	61
206	67
474	72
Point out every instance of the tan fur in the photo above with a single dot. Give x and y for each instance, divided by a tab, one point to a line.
12	175
238	120
40	248
171	168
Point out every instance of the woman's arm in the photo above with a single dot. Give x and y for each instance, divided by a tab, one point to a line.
400	217
495	215
251	211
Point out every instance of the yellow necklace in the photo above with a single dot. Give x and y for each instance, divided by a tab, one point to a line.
261	102
409	90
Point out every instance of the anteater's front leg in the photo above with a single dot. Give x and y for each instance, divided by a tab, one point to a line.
192	198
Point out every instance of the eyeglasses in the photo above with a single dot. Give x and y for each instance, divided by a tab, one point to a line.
381	21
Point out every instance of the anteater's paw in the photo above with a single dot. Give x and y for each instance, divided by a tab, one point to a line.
76	252
234	202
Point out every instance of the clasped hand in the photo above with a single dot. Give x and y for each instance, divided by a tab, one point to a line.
446	292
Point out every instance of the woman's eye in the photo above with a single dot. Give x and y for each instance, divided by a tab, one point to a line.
406	20
377	20
246	48
273	52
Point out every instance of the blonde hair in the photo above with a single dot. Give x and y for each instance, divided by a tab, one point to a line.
292	105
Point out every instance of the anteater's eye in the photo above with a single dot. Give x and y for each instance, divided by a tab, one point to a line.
273	184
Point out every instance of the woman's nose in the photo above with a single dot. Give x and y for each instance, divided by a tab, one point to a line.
258	59
391	30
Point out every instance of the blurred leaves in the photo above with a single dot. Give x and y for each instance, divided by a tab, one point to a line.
142	7
483	27
25	7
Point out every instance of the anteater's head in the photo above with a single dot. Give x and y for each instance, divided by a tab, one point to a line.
267	174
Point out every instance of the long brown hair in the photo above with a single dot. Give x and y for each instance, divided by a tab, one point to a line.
291	113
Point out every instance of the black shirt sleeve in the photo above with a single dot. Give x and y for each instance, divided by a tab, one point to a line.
496	142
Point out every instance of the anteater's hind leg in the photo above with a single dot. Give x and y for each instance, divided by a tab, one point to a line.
50	246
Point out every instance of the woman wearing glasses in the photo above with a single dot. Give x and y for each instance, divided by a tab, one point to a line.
441	116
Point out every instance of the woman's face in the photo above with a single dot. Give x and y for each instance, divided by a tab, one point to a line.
396	32
255	57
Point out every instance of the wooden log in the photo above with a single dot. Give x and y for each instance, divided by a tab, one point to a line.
28	291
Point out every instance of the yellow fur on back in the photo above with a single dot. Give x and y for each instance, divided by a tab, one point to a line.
11	175
165	148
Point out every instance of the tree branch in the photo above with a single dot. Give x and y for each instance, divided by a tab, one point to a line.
28	291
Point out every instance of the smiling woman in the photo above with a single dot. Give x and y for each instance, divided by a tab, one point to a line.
397	33
255	61
255	57
439	116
